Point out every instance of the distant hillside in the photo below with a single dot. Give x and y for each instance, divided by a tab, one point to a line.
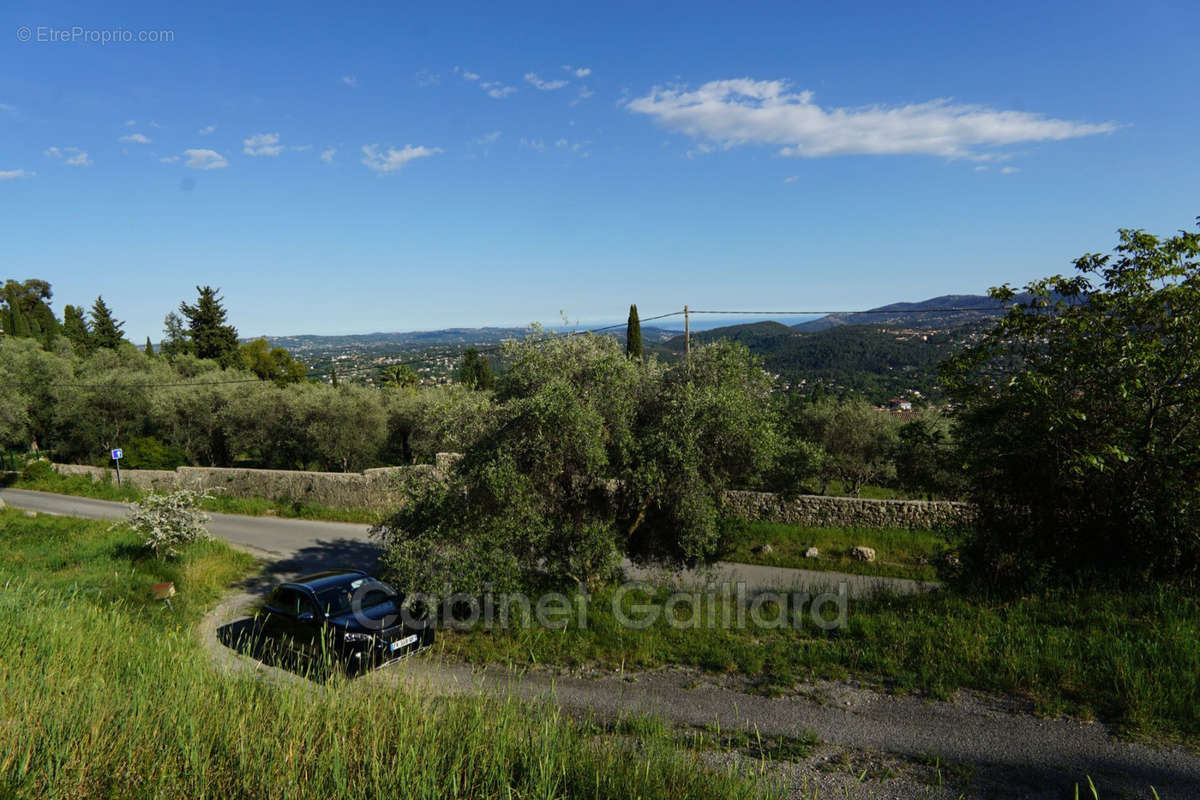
936	312
877	361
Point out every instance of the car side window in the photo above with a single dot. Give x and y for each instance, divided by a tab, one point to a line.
289	602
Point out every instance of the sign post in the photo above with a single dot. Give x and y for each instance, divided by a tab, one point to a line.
116	457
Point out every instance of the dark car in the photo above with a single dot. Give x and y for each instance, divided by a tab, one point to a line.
348	615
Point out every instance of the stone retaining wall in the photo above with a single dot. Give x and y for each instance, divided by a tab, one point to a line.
848	512
379	489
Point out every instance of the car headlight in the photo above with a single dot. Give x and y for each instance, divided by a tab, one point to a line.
352	638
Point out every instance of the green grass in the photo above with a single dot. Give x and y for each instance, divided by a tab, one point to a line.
1132	660
108	694
899	553
46	480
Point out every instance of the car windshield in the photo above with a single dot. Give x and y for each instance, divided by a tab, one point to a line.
338	600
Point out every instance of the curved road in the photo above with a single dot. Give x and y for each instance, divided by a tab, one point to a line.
1010	753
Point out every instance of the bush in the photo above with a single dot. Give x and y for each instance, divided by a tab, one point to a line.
167	522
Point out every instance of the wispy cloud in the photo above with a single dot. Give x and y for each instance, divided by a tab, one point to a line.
204	159
494	89
207	130
262	144
744	111
73	156
12	174
791	179
391	159
129	123
546	86
578	72
425	78
327	154
533	144
135	138
169	159
1009	170
578	147
350	80
584	94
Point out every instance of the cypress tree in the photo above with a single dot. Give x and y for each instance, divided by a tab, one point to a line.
106	329
149	348
475	371
76	329
633	334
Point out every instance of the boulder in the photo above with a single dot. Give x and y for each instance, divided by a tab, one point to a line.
31	514
861	553
812	552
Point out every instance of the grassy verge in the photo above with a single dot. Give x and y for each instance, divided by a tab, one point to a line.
83	486
899	553
1130	660
107	694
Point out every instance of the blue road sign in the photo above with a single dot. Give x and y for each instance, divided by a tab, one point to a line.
116	454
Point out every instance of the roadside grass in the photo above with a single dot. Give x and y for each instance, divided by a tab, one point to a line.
1131	660
46	480
109	695
899	553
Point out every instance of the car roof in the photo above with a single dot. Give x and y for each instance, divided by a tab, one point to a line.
321	580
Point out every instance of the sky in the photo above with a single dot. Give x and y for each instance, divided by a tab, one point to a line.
348	168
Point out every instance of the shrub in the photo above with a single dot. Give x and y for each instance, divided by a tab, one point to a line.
167	522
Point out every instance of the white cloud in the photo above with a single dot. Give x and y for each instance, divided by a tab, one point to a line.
1009	170
584	94
169	159
393	159
73	156
11	174
534	144
546	86
262	144
136	138
791	179
745	111
328	154
129	123
487	138
497	90
207	130
578	72
204	159
425	78
471	76
350	81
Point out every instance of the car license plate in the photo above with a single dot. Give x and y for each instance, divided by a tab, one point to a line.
405	642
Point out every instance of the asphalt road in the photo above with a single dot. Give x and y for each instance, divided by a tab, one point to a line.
307	545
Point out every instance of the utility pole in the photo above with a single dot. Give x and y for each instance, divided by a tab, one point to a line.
687	334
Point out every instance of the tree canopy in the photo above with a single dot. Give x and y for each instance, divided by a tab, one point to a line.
1080	421
209	335
106	329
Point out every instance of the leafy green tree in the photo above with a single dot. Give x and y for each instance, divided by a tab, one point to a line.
175	341
25	310
208	332
633	334
398	376
1080	422
474	371
926	459
106	329
856	438
589	456
272	363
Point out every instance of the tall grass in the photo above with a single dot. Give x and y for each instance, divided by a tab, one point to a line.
107	694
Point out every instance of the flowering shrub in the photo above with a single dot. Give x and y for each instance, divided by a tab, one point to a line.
166	522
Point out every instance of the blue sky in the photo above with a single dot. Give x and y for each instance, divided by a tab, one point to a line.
339	169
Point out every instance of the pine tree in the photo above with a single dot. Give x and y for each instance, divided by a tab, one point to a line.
633	334
149	348
210	336
175	339
76	329
106	329
475	371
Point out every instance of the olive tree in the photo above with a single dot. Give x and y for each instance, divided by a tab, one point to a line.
588	457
